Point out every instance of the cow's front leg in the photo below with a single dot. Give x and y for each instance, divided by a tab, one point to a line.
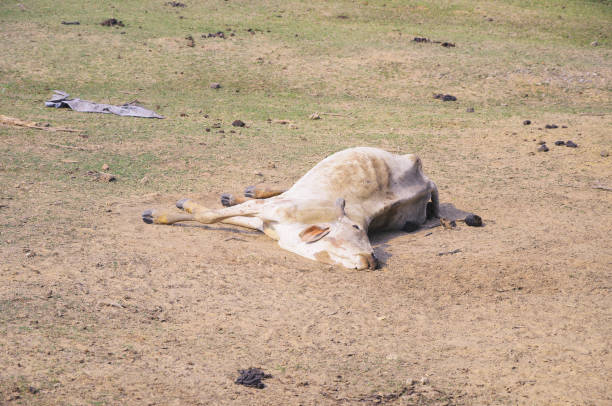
153	216
205	215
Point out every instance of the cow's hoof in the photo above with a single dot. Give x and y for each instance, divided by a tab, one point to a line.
473	220
249	191
227	200
147	216
181	203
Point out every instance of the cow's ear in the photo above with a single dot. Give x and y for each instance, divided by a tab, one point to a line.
340	204
313	233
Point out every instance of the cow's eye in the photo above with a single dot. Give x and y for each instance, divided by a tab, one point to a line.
356	226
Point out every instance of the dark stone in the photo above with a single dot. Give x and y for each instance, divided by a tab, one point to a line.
559	142
448	44
526	122
71	23
551	126
252	377
420	39
571	144
175	4
543	148
470	109
473	220
238	123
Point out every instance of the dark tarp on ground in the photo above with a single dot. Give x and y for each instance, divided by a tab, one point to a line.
62	99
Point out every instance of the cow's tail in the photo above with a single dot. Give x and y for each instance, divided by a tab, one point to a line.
435	200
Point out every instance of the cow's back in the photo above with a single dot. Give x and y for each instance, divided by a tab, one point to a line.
367	178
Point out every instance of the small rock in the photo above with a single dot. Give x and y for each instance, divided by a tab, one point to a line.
470	110
594	43
238	123
215	86
541	142
144	180
315	116
551	126
571	144
559	142
543	148
604	154
473	220
526	122
563	126
424	380
105	167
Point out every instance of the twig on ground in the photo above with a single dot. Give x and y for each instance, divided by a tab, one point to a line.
602	187
15	122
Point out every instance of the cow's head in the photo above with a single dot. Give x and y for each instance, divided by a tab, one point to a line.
338	242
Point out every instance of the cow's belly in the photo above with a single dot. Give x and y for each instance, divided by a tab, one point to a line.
395	215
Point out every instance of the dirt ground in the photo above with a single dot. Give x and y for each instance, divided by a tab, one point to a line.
99	308
129	313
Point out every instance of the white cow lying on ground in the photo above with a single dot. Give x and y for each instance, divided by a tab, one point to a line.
328	212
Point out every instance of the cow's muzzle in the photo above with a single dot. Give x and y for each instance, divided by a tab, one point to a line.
369	261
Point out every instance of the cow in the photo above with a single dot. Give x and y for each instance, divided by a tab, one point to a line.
327	214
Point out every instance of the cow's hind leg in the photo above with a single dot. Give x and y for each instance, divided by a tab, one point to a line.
228	199
260	191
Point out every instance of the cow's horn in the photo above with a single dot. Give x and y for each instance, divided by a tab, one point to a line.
340	203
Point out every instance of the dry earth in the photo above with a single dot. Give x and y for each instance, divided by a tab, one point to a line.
123	312
97	307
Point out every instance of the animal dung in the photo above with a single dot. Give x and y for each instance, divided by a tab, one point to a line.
448	224
473	220
252	377
445	97
111	22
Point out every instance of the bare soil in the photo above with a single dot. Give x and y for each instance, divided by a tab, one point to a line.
128	313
